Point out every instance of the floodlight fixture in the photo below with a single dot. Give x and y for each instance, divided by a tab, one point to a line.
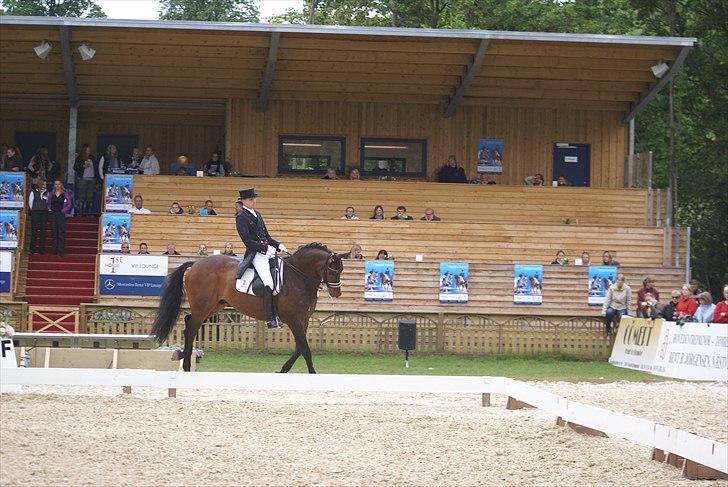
660	69
43	49
87	52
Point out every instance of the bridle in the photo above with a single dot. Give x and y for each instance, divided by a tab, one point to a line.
325	272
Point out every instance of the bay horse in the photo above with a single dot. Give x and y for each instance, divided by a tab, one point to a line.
209	285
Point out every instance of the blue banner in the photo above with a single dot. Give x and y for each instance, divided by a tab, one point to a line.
118	192
116	229
12	190
601	278
527	284
9	229
490	156
454	282
130	285
6	271
132	275
379	280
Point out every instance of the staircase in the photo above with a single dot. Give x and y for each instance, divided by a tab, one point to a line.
59	284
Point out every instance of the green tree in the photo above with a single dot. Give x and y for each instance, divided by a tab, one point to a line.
210	10
53	8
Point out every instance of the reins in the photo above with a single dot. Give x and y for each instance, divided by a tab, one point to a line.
306	276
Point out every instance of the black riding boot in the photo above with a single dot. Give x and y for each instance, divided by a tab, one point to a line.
271	319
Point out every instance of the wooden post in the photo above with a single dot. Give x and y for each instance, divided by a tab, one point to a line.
658	455
126	389
485	400
675	460
514	403
440	336
172	393
695	471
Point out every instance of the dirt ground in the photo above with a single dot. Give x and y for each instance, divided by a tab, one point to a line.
97	436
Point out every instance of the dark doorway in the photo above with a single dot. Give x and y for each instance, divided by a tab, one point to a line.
125	144
29	142
572	162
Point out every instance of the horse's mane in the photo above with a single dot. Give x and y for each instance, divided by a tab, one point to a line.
312	245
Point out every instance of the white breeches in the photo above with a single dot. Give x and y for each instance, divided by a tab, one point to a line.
262	267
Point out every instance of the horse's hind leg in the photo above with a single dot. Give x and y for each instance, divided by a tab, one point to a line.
190	332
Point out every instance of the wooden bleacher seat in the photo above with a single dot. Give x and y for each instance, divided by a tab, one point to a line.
490	290
436	241
326	199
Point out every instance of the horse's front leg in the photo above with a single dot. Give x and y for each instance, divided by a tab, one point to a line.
190	332
289	363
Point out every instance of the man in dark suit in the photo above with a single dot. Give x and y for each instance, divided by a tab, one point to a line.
261	246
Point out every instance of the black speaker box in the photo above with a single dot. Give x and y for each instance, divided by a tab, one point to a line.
407	339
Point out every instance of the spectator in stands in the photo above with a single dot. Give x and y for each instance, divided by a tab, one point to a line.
87	178
430	216
608	260
585	258
706	308
176	209
183	166
378	213
150	164
382	255
143	249
202	250
38	209
651	310
720	314
229	250
208	209
215	165
617	303
60	204
668	311
354	175
350	214
330	174
687	305
560	258
110	161
401	214
483	178
125	248
695	288
136	158
138	208
648	286
535	180
451	172
171	250
562	181
3	155
13	159
41	167
353	253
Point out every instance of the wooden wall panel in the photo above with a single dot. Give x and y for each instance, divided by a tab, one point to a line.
193	131
529	134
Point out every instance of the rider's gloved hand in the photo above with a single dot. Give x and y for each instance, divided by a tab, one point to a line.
270	252
282	248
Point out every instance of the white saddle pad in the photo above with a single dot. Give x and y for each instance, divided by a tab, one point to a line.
245	283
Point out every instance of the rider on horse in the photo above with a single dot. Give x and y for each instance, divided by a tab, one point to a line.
259	243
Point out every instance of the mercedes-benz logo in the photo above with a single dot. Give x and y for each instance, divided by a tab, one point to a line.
109	284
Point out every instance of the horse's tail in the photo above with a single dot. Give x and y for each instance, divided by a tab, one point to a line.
170	303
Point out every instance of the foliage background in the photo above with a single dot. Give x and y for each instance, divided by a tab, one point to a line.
700	91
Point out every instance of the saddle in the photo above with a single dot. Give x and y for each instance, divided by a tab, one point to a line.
248	281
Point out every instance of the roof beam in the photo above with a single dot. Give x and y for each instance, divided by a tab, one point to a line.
68	71
465	81
261	104
643	99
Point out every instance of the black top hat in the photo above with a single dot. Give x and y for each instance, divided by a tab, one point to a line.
247	193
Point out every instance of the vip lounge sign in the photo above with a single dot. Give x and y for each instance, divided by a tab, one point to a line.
6	271
132	275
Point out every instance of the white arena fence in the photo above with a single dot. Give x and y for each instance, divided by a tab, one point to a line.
700	450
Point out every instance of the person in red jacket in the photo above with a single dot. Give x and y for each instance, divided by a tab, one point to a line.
720	315
687	305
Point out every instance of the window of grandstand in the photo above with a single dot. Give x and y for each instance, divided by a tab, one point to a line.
308	154
393	157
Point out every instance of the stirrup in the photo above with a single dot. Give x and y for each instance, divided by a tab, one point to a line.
274	323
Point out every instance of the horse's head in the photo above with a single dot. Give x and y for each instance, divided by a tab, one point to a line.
332	274
326	265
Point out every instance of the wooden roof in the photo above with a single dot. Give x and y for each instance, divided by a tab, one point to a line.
158	60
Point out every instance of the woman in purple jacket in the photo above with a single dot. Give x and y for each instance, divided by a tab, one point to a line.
59	206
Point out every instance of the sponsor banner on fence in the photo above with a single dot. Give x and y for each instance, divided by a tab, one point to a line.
6	271
116	229
9	229
118	192
132	275
454	282
601	278
693	351
490	156
12	190
527	284
379	280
